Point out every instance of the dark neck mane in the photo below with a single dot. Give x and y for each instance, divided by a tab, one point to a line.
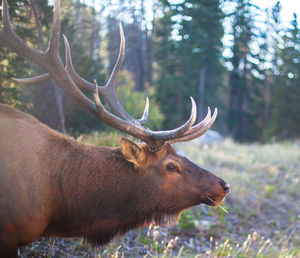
104	233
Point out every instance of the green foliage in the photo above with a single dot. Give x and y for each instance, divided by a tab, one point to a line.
37	98
150	242
11	64
134	101
83	245
181	58
169	85
286	104
269	190
200	48
90	68
187	220
111	139
245	83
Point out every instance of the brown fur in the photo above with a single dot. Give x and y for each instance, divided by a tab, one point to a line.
51	185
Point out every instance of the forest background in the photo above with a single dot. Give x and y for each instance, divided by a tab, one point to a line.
174	49
235	55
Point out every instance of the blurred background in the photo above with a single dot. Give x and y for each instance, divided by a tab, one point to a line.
240	56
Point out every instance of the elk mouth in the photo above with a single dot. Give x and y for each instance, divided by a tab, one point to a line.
213	201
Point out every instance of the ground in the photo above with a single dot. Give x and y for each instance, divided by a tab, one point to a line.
263	218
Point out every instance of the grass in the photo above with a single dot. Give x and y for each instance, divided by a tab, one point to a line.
265	186
104	139
263	217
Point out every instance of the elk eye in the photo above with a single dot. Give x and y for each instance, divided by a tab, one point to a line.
171	167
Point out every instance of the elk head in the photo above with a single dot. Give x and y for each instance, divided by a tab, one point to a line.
179	182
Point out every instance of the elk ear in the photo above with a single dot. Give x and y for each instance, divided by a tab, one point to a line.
170	149
132	152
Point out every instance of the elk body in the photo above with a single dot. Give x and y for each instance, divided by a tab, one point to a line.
51	185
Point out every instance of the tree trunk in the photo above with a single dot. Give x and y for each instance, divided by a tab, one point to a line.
140	48
77	15
149	48
113	42
201	90
57	92
141	63
94	30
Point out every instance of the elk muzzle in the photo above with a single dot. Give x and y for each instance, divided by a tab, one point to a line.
222	190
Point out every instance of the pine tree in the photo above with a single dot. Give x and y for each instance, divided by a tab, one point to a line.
201	32
286	102
189	61
40	98
168	82
11	64
245	85
269	58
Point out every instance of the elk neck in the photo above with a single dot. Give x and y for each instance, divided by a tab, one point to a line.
95	190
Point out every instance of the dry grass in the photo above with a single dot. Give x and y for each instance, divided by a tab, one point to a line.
263	217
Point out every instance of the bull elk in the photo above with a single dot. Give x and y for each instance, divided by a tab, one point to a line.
51	185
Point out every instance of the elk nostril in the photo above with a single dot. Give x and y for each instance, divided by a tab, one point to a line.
225	186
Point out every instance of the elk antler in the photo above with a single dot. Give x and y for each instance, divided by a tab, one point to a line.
68	79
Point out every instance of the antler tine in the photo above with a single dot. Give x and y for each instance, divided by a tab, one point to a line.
69	67
55	32
5	17
177	132
81	82
201	124
128	127
114	75
144	118
190	136
49	62
108	92
12	40
153	138
34	79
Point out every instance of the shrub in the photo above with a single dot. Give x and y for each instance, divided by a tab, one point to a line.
134	101
187	220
